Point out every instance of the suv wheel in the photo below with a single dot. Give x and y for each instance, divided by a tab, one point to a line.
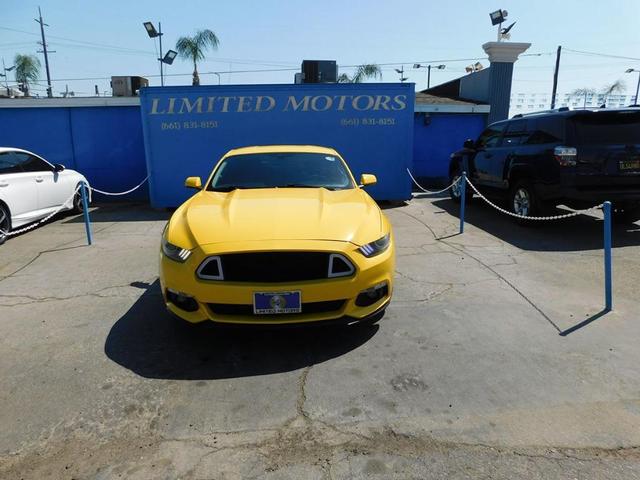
523	201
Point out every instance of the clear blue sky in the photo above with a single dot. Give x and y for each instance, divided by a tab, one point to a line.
272	34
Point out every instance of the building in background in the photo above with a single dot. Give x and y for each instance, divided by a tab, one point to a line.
534	102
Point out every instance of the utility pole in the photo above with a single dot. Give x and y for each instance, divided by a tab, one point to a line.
555	78
44	50
429	76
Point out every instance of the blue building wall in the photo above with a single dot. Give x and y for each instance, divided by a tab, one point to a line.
436	136
103	143
188	129
106	144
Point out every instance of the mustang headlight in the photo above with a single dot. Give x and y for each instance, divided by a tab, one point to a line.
375	248
174	252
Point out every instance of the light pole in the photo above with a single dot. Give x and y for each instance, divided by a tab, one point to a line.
218	75
169	57
6	79
428	67
631	70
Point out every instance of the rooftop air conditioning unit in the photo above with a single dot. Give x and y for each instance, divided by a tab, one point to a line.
128	86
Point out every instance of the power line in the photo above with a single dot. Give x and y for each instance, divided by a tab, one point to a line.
582	52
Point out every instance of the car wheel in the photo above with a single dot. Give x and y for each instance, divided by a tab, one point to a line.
5	223
626	216
455	191
523	201
77	202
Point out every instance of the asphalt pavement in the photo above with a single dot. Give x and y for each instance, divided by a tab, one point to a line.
494	360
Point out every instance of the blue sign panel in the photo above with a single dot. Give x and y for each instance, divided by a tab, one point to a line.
187	129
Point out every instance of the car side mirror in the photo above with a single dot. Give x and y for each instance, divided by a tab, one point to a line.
193	182
367	179
468	143
58	167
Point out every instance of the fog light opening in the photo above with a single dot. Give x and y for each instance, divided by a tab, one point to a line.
372	295
182	300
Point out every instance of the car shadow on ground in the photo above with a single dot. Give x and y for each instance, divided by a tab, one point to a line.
150	343
121	212
582	232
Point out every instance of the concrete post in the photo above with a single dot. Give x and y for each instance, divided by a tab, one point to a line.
502	56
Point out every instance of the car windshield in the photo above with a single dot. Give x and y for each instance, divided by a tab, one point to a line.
281	170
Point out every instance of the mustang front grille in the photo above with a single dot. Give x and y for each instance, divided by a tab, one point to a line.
275	267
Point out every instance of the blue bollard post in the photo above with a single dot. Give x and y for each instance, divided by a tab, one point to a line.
85	211
608	300
463	195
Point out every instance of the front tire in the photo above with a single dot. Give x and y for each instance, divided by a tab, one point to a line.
5	223
78	207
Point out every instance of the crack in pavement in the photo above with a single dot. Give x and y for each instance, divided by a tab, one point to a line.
34	300
488	267
56	249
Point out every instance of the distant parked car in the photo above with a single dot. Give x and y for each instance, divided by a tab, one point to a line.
31	188
577	158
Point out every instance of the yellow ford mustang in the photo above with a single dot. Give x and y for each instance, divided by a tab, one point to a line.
278	234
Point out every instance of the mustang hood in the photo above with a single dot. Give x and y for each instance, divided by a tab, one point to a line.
282	214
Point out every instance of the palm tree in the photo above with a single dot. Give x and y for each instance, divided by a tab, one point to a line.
616	87
27	70
194	48
583	92
363	72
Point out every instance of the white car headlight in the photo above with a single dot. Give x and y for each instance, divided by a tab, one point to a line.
174	252
375	248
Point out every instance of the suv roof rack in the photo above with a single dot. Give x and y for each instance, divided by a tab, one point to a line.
554	110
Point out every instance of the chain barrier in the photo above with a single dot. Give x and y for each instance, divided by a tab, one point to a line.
121	193
573	213
429	191
48	217
66	205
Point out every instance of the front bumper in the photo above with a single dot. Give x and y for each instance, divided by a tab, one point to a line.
181	277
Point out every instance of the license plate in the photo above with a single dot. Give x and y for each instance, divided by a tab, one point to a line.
629	164
276	303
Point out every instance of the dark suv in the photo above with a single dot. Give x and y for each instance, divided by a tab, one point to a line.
574	158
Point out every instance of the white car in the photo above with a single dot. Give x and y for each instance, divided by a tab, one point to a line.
31	188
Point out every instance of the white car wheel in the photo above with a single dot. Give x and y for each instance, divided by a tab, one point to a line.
5	223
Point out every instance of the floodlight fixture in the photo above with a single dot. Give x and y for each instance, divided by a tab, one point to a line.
151	30
169	57
498	17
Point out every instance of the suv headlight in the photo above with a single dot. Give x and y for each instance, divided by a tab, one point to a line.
174	252
375	248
